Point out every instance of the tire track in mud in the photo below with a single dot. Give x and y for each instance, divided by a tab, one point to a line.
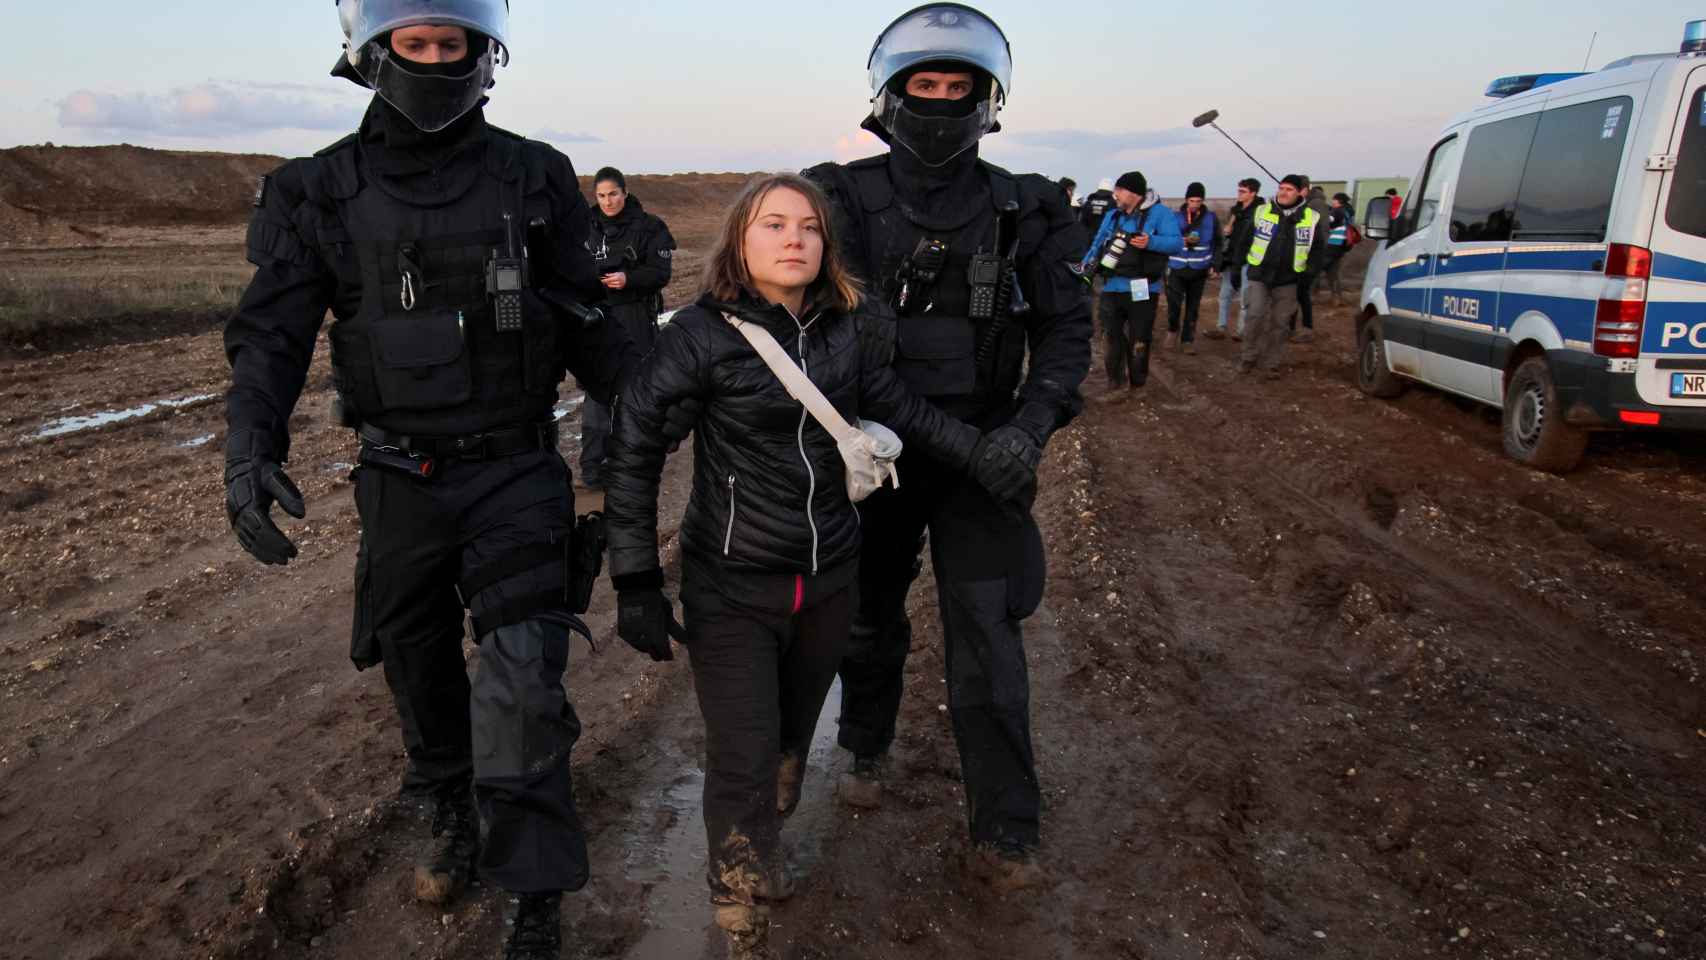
1348	567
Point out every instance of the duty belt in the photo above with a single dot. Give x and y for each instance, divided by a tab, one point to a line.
477	446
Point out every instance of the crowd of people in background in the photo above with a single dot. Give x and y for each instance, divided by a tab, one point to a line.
1266	256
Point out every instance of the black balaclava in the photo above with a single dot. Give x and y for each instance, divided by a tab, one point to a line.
399	133
943	194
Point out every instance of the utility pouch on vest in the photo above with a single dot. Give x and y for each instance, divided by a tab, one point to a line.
422	362
917	275
937	356
586	560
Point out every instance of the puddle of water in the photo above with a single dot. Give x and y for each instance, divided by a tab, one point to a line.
194	442
668	850
340	467
69	425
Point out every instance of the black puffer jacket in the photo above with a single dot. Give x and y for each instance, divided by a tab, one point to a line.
769	489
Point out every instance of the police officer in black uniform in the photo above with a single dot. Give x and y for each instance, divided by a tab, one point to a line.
435	240
634	256
930	226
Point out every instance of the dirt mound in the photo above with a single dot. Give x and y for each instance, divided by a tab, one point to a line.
128	186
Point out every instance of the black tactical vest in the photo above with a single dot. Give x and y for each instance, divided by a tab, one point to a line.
422	354
936	351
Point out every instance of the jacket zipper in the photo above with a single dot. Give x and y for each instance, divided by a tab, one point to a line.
800	438
729	535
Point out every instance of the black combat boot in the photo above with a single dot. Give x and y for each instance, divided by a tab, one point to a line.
449	862
535	923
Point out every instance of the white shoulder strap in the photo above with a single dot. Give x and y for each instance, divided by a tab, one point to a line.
798	385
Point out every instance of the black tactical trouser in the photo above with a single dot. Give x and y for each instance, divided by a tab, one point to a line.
762	672
988	561
512	729
639	321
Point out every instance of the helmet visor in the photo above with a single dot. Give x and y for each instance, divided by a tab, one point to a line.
941	31
366	20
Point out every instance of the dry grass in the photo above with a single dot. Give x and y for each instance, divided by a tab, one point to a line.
56	290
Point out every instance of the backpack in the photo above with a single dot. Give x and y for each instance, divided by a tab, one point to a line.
1353	236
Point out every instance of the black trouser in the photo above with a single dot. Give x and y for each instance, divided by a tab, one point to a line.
1184	292
988	561
762	671
1305	302
640	322
512	730
1129	326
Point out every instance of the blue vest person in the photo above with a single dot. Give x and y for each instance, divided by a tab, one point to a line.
1188	271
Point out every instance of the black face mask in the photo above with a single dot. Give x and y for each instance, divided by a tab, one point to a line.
934	130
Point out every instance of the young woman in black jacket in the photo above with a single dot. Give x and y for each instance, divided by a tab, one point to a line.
770	539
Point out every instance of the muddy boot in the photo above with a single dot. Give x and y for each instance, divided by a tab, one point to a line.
862	786
449	862
747	927
1006	866
536	928
789	773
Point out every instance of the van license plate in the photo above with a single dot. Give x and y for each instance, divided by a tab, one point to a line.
1689	385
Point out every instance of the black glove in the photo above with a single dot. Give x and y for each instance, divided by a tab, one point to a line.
679	420
254	481
1005	463
644	618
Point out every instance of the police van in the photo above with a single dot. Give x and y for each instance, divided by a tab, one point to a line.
1550	259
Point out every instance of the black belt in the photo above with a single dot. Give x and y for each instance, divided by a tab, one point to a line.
477	446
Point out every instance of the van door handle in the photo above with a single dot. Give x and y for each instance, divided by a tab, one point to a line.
1424	257
1446	256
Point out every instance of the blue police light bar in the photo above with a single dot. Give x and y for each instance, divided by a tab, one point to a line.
1522	83
1694	37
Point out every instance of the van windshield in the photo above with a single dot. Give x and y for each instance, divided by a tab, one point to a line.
1687	209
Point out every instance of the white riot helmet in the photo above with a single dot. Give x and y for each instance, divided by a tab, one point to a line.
431	98
950	35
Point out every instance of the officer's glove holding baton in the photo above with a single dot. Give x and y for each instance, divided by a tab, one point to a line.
254	481
645	619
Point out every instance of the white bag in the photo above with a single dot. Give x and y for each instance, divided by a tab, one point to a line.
869	450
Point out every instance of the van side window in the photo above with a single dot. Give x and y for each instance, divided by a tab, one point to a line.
1423	205
1687	209
1572	171
1484	210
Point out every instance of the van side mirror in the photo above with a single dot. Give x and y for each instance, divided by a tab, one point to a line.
1377	220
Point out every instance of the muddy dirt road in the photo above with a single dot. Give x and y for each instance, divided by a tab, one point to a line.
1316	675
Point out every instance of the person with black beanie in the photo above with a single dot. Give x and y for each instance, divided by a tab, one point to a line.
1188	270
1286	243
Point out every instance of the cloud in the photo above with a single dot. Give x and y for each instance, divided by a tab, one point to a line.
560	136
1096	141
211	109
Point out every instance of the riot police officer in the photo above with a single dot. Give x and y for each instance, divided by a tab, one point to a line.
440	244
993	327
634	254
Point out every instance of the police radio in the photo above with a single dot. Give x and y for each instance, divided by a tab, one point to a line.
505	278
985	276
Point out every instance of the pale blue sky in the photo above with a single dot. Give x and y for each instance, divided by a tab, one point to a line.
666	86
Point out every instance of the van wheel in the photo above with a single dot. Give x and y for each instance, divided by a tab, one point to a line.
1534	427
1374	377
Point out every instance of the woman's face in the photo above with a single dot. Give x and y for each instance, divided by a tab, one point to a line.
783	244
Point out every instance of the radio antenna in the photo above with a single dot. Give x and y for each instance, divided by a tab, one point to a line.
1590	51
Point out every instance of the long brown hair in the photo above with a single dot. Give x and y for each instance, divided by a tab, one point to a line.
726	276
